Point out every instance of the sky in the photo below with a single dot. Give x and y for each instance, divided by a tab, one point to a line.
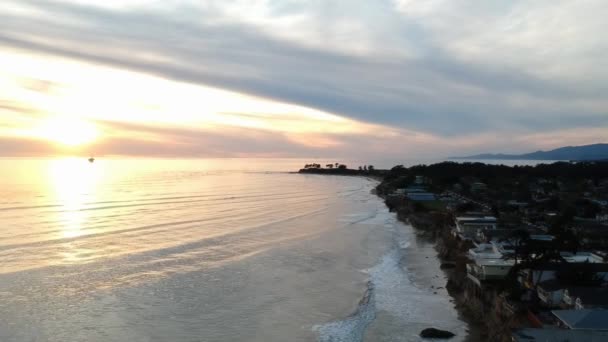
301	78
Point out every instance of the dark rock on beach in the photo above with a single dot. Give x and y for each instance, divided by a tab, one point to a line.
436	333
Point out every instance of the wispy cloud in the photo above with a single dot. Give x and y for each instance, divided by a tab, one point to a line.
445	70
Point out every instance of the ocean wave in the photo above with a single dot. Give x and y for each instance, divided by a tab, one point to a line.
352	328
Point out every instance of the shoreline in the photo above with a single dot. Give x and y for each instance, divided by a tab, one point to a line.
536	214
425	250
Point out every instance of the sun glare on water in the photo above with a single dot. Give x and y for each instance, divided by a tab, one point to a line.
68	131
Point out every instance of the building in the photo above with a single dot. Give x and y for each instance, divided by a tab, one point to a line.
579	298
421	196
586	319
550	293
467	227
488	263
558	335
583	257
478	186
483	270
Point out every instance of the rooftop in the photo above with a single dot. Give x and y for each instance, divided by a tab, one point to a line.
590	295
421	196
543	335
582	257
481	219
585	319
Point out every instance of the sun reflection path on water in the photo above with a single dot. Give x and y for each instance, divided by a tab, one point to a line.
75	183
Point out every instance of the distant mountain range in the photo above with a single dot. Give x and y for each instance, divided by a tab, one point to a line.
587	152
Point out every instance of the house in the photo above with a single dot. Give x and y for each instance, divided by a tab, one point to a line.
399	192
492	250
583	257
517	204
421	196
591	233
488	263
585	319
553	293
410	189
579	298
483	270
478	187
542	274
493	235
558	335
601	203
501	234
467	227
550	292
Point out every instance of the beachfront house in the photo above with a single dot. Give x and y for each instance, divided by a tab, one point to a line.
483	270
478	187
579	298
421	196
583	257
488	263
468	227
550	293
590	262
552	334
585	319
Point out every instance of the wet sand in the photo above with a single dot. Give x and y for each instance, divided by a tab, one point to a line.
424	264
428	304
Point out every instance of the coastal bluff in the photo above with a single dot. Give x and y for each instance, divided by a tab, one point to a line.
343	170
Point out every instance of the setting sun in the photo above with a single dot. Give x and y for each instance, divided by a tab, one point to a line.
69	131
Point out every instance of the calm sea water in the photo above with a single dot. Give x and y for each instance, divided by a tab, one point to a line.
206	250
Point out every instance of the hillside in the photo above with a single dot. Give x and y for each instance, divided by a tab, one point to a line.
586	152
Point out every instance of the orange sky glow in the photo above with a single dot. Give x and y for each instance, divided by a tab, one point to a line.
250	79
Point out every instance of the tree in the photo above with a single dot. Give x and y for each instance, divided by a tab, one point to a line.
418	207
582	274
342	167
464	207
529	253
329	166
370	167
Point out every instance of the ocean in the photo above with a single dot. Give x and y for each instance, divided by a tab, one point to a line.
208	250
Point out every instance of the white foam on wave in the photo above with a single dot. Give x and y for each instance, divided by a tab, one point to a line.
353	327
390	290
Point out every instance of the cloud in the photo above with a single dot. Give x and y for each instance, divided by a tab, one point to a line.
464	73
38	85
24	147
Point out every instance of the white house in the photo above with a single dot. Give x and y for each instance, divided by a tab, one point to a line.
468	226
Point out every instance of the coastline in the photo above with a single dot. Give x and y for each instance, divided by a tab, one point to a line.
423	257
424	261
